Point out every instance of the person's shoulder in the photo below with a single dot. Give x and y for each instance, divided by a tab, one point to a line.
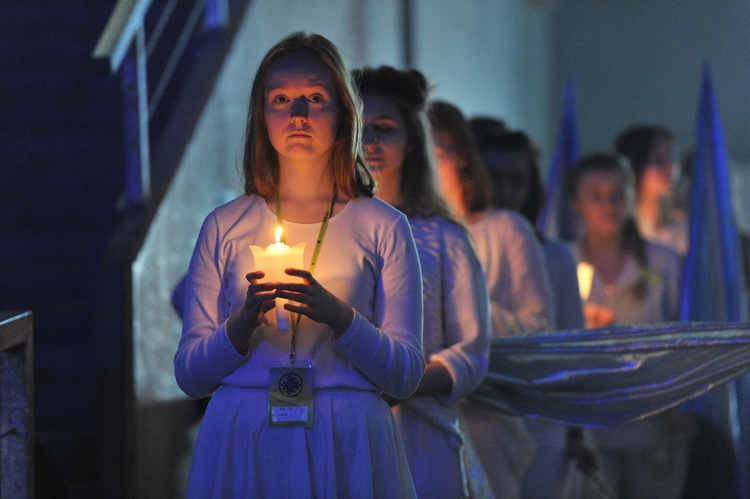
238	206
226	215
508	218
659	254
376	208
558	245
556	249
449	230
661	249
511	223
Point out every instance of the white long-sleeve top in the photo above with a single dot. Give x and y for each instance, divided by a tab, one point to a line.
520	293
661	301
456	303
456	334
456	312
368	259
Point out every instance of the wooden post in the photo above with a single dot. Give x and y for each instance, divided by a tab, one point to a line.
16	405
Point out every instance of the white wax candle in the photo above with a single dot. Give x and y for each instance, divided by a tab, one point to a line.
273	260
585	276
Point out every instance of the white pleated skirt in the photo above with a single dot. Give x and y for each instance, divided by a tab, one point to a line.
352	450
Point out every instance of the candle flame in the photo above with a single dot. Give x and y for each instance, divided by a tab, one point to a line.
278	234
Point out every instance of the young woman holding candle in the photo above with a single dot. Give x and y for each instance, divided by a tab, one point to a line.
457	320
520	293
629	281
356	328
634	281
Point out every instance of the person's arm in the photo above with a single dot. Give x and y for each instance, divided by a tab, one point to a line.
529	305
206	354
390	352
466	317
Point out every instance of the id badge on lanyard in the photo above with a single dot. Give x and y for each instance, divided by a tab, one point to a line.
290	390
290	394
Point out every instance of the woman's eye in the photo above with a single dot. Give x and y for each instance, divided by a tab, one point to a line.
316	98
280	99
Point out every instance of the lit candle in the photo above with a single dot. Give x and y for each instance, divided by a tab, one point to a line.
585	277
273	260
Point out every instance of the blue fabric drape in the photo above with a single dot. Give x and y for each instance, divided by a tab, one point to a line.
610	376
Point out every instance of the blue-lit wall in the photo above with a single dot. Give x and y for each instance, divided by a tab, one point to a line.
643	61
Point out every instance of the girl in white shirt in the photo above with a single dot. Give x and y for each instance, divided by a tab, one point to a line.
456	304
521	297
297	412
628	281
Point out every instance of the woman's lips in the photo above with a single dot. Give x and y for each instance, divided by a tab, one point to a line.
375	162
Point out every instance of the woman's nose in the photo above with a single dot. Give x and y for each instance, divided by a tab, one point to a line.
369	136
300	109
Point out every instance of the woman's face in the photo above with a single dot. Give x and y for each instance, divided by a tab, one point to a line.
510	175
301	107
449	164
601	203
657	174
384	139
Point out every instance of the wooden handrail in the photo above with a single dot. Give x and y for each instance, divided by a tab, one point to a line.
15	328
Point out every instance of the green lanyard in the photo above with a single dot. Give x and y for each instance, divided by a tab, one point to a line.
318	244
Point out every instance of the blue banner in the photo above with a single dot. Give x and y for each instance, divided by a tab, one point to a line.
713	287
557	220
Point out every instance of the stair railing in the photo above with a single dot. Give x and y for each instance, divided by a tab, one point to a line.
123	48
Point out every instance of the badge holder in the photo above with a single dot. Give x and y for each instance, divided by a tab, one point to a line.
290	395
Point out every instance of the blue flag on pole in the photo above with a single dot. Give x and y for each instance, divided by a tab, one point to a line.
557	220
713	278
